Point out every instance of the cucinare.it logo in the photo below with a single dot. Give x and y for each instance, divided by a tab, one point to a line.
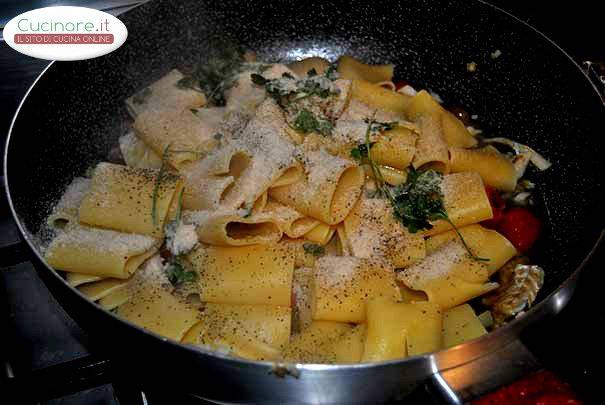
65	33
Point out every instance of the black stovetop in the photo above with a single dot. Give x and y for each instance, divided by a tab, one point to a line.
35	332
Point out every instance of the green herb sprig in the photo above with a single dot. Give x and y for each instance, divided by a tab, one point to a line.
306	122
416	202
314	249
177	274
288	89
217	75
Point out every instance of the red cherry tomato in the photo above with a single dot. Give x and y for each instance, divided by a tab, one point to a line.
498	206
400	84
520	227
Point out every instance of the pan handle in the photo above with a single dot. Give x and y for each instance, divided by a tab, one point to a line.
440	391
483	375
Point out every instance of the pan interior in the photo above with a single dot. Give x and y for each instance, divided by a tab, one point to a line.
532	93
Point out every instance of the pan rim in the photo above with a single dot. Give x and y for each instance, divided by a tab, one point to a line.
433	358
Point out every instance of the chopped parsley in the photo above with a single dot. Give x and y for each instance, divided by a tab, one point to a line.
314	249
177	274
306	122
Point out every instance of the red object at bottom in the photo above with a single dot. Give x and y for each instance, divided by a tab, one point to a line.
543	388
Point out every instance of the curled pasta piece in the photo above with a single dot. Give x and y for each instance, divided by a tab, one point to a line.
76	279
454	132
130	200
101	289
328	192
431	147
377	97
303	66
231	228
460	324
229	325
342	285
114	299
66	211
395	148
260	203
465	201
208	181
137	154
353	69
448	276
313	345
165	94
320	234
244	96
387	85
391	176
357	110
256	274
483	242
178	136
396	330
272	157
493	167
99	252
153	306
291	222
371	230
290	176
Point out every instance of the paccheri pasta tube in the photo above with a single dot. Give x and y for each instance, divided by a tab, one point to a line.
465	201
165	94
66	211
292	223
448	276
179	137
371	230
100	252
485	243
246	330
153	306
397	330
494	168
256	274
231	228
130	200
342	285
329	190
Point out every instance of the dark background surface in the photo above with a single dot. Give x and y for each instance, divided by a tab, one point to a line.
571	344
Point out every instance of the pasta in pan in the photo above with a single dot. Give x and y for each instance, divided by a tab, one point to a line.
309	212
